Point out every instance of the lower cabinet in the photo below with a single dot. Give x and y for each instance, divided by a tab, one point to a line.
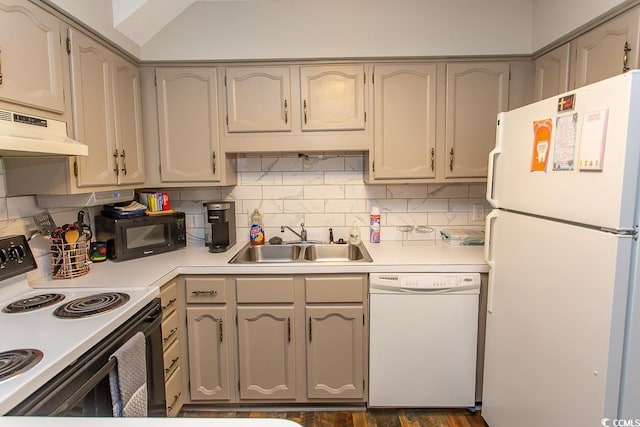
209	340
335	356
295	339
335	344
266	351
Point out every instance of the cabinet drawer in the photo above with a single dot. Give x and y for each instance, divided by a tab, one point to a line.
334	289
173	390
168	298
169	330
206	290
265	289
171	359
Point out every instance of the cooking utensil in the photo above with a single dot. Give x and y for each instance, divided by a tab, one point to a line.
82	226
46	225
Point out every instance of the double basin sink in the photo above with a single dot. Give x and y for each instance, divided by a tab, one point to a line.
301	252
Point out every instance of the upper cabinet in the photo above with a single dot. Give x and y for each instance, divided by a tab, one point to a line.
405	121
188	125
258	99
31	56
552	72
605	51
106	114
436	122
332	97
476	93
609	49
295	108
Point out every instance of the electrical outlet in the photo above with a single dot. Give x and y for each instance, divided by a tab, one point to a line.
478	212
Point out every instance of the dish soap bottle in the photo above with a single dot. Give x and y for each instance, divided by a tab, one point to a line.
256	232
374	220
354	235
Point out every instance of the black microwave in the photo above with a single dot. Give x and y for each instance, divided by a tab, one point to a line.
129	238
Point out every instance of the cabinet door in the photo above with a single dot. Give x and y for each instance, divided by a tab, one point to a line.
266	347
207	331
188	124
93	110
405	121
332	97
552	73
335	352
476	93
128	121
31	56
258	99
601	51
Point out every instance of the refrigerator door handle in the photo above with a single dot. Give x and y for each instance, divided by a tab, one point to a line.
497	150
488	254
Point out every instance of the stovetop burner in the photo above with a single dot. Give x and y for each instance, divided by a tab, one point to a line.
33	303
14	362
92	304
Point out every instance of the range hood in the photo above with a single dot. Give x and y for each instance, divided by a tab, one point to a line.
30	136
97	198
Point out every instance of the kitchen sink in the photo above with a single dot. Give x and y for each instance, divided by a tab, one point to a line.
336	253
267	253
303	252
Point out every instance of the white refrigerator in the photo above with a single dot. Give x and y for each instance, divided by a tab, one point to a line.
563	304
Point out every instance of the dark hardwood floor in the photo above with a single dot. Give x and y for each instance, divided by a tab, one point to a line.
369	418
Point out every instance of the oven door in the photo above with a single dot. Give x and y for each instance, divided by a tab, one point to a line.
82	389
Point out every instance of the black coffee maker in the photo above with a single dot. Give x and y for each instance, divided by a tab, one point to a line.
222	217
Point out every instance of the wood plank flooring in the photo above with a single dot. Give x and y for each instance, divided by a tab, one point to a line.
369	418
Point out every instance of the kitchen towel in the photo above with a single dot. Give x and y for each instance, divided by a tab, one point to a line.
128	379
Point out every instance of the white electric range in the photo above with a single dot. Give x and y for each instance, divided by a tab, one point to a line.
61	341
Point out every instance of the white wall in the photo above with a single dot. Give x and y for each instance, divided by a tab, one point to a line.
339	28
553	19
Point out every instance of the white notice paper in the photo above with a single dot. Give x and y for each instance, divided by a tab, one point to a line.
593	140
565	147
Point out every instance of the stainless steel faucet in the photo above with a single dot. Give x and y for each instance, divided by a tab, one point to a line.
302	235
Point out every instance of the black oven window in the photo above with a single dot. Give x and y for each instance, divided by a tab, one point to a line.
146	235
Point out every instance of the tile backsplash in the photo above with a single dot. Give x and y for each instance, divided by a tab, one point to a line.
321	191
325	191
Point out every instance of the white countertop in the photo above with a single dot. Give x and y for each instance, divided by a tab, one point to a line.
143	422
388	257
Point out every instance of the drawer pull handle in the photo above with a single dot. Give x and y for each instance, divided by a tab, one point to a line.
289	328
221	323
210	293
174	401
173	363
169	304
310	336
168	337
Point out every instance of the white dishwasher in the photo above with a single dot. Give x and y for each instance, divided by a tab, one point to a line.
423	337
